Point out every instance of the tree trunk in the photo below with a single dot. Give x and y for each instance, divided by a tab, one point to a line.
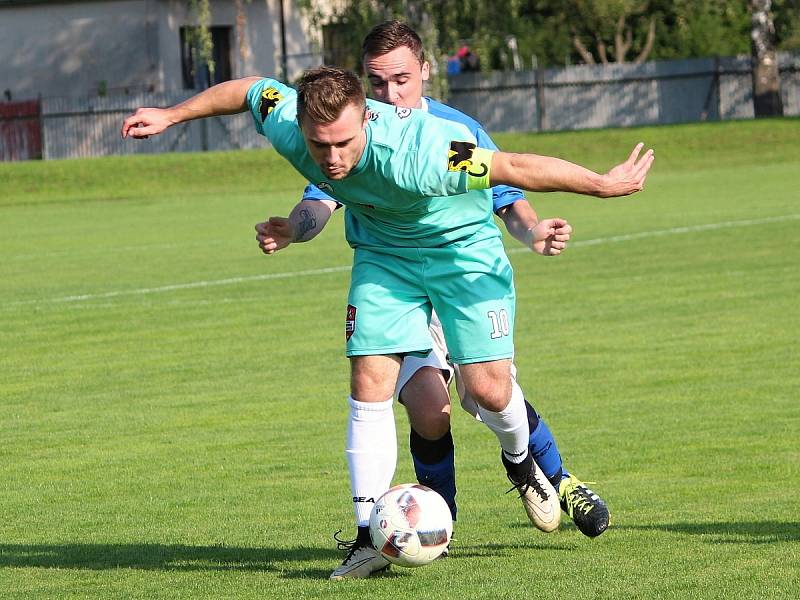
582	50
241	31
622	45
766	79
648	45
601	51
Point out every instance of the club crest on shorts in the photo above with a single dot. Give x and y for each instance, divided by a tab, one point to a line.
350	322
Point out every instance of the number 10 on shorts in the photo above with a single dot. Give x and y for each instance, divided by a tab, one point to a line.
499	321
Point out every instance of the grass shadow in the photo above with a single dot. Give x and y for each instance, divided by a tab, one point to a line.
749	532
180	557
165	557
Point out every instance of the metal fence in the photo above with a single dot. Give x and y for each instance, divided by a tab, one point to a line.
583	97
80	127
577	97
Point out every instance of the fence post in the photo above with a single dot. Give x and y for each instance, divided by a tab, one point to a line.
42	134
718	86
204	134
540	99
712	89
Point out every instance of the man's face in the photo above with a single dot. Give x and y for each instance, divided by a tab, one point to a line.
337	147
396	77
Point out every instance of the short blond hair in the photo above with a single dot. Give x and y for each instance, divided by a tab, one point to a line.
323	93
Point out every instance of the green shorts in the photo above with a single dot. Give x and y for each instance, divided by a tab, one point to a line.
393	290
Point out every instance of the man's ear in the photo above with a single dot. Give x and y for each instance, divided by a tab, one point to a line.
426	70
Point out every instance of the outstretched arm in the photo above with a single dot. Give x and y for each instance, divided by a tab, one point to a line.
227	98
548	174
548	237
306	220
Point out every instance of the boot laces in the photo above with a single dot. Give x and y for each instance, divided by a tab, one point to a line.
530	482
352	546
579	497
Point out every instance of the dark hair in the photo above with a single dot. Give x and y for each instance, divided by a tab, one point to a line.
389	36
323	93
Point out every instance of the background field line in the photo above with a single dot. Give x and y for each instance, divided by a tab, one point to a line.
181	286
339	269
672	231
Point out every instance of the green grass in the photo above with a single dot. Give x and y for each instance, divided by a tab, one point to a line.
168	438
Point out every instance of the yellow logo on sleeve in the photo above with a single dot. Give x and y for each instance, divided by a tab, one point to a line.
460	158
269	100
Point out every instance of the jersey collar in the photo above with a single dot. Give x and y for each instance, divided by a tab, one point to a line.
367	149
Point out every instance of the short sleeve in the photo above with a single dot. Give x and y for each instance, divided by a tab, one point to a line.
312	192
449	161
267	100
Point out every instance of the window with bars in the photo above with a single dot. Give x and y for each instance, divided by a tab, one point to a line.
197	73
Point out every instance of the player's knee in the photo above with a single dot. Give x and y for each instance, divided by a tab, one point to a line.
372	380
491	395
433	426
429	415
493	403
488	384
370	390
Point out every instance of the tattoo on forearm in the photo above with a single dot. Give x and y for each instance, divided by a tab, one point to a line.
307	222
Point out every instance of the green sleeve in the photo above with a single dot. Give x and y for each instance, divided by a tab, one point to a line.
270	101
448	159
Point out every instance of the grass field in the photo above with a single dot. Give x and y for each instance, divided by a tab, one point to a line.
172	403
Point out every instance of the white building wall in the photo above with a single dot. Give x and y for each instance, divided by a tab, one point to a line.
260	54
55	49
76	48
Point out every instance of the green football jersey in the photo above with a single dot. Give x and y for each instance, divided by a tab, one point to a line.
421	181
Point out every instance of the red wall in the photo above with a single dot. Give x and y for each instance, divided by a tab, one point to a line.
20	130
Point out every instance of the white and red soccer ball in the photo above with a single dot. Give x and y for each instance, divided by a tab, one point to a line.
410	525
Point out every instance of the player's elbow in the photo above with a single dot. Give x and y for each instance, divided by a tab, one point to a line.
509	169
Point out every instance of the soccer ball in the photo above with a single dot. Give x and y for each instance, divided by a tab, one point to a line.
410	525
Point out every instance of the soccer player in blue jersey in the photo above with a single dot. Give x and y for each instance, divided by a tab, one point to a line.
419	220
393	59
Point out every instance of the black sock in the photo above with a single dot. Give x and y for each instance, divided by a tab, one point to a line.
363	535
430	452
518	472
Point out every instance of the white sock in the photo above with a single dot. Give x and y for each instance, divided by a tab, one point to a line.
371	453
510	425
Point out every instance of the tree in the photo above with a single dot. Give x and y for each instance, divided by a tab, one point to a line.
200	35
558	32
697	28
786	16
241	29
766	78
345	24
613	28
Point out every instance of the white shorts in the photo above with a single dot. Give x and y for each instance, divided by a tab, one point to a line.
437	358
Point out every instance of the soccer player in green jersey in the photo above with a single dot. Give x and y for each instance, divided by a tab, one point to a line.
420	222
394	62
